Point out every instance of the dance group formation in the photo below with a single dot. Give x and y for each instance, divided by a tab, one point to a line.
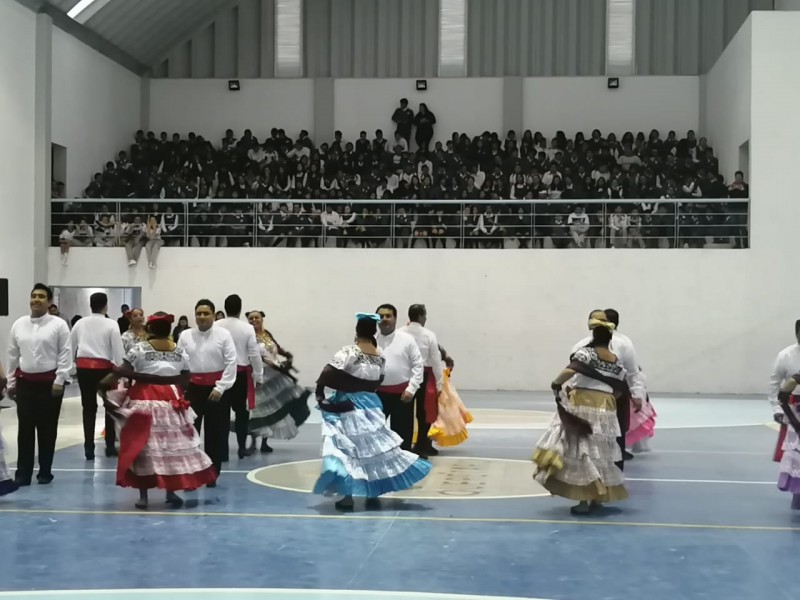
227	374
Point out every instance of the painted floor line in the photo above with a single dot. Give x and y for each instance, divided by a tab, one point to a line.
638	479
394	517
267	592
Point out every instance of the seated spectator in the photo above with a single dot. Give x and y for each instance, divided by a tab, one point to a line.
83	234
153	242
578	222
133	236
105	234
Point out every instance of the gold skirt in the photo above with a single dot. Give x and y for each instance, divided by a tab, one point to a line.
583	469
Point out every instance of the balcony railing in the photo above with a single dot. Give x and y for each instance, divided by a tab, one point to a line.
666	223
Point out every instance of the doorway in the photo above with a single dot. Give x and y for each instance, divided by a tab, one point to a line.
74	301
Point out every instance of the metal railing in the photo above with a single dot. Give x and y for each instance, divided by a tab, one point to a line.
667	223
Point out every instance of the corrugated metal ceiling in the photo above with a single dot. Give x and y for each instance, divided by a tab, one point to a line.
147	30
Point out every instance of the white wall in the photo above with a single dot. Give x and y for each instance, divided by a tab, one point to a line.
17	71
469	106
725	108
787	4
509	318
774	151
206	107
464	105
96	108
575	104
73	301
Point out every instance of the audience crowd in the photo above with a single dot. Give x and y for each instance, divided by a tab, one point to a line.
634	190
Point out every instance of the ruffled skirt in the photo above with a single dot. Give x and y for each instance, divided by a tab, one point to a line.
361	456
789	478
642	424
450	427
159	445
583	469
7	483
281	407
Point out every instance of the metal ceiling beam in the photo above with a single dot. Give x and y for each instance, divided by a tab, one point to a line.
86	35
200	24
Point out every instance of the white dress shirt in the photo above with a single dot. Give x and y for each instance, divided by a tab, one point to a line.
786	364
98	337
404	362
39	345
429	349
247	350
211	351
622	346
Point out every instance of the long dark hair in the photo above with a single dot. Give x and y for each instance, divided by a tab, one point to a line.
366	330
601	337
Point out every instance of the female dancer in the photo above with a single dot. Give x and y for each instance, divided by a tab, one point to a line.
361	456
137	331
575	457
450	427
281	404
642	425
7	483
159	445
789	479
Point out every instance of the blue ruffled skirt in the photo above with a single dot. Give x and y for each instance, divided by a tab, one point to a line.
361	456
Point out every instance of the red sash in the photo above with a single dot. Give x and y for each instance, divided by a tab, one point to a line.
431	397
93	363
45	377
397	388
205	379
251	387
778	456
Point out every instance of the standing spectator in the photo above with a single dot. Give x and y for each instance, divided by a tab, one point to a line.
618	228
124	321
425	120
404	118
635	229
331	223
183	325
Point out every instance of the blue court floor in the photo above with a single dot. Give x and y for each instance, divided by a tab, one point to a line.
704	521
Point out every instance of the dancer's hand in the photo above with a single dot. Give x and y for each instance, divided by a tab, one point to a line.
214	396
637	403
779	418
57	390
406	397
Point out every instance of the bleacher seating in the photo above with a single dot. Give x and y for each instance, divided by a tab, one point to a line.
631	191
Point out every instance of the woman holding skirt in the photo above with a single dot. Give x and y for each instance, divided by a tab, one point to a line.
575	458
450	427
159	445
281	405
361	456
789	478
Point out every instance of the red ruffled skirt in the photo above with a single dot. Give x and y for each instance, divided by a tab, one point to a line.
159	445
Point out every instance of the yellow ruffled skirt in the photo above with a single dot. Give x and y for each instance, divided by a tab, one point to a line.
582	469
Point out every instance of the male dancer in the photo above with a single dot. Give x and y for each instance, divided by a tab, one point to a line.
98	347
39	364
212	368
250	371
787	364
427	396
404	374
626	353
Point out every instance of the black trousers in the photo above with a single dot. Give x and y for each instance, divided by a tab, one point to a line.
400	415
216	416
87	382
423	427
236	400
624	419
37	412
